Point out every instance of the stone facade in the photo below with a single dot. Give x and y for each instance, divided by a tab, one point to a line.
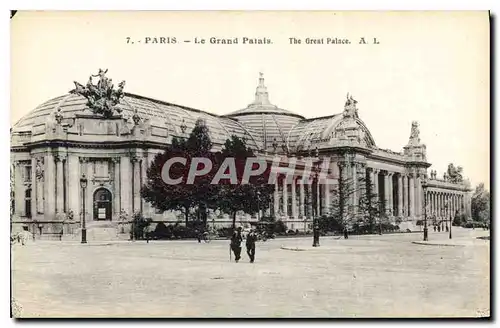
62	139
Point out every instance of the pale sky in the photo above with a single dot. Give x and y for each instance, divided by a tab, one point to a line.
428	67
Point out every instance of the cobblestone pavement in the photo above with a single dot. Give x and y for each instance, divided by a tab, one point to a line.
364	276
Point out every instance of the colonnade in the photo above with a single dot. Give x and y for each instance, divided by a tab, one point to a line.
443	205
399	194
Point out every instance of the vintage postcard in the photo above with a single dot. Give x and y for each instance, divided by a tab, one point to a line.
267	164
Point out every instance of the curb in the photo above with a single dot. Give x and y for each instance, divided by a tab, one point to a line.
296	249
434	244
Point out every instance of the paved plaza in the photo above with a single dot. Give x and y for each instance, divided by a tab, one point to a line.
364	276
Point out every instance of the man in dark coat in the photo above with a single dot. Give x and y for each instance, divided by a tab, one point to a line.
251	239
346	233
236	240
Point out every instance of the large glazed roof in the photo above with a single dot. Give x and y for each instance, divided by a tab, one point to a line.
179	120
269	121
330	131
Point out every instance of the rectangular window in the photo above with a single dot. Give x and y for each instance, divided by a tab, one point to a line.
27	173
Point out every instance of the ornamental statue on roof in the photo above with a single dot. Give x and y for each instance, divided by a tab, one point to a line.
350	109
102	98
415	134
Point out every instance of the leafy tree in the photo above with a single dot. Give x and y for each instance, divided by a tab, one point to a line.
341	195
249	197
370	206
480	204
182	196
139	224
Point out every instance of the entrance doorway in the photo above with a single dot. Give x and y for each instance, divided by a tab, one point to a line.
102	204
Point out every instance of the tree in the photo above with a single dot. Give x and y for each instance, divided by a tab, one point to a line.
342	192
249	197
480	204
139	224
365	213
371	206
182	196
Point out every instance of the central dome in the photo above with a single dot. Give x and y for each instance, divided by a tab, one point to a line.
270	121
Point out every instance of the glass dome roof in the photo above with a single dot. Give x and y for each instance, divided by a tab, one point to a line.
270	122
159	113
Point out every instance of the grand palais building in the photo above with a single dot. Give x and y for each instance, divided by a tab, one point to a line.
111	137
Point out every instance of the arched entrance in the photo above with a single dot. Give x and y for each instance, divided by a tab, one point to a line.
102	204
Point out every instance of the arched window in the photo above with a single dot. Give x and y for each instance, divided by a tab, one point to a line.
27	202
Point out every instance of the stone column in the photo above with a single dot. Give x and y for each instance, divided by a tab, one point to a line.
450	205
418	196
391	193
89	205
294	200
454	204
285	197
461	204
448	211
59	183
355	191
436	204
361	181
405	196
412	196
74	175
439	205
18	189
326	198
318	198
309	200
125	185
431	202
386	192
49	188
400	195
34	181
436	201
375	183
116	187
144	167
136	184
276	198
301	199
40	178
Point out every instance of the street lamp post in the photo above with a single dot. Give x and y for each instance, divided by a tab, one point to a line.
258	205
426	233
446	206
83	184
315	213
450	224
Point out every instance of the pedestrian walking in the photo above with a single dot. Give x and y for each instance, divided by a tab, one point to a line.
435	228
236	240
346	234
250	243
198	234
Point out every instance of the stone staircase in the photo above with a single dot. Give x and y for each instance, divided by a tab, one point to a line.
99	231
403	226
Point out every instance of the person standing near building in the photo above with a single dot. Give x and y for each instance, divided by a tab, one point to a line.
250	243
236	240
